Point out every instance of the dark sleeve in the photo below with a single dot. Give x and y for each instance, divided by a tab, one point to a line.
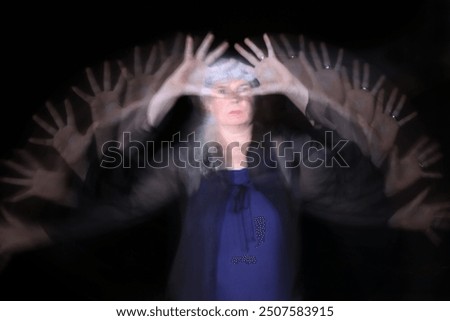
338	183
118	198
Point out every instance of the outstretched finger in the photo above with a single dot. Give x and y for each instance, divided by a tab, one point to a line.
432	160
393	157
391	100
419	198
355	75
41	141
308	69
90	131
280	51
345	79
256	50
44	125
162	49
120	85
301	43
367	129
106	76
18	168
216	53
366	76
20	196
162	70
399	106
16	181
325	55
55	115
434	237
415	149
189	47
406	119
379	103
149	65
87	98
244	53
289	50
28	158
431	149
204	46
124	70
69	113
177	45
440	207
9	217
315	56
436	175
270	51
441	221
339	59
92	81
378	85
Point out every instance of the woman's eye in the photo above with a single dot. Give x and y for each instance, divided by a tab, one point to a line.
222	91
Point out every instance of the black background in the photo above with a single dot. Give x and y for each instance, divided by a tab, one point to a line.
46	47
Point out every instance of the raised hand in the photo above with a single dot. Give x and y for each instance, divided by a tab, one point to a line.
403	171
143	82
331	85
322	79
104	104
291	58
71	145
382	132
328	75
425	217
272	75
358	96
345	120
187	79
17	235
37	181
189	76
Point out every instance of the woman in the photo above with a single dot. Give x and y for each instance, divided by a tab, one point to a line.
241	187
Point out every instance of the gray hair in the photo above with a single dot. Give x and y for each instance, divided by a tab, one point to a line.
225	69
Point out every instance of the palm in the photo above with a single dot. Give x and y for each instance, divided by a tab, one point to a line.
420	216
331	83
71	144
360	102
66	139
104	103
272	75
291	59
38	181
405	171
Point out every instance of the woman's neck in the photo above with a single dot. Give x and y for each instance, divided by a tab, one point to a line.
241	134
234	140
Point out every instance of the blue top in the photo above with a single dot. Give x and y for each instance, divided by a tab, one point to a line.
250	251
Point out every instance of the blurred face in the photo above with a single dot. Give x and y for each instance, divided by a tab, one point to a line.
231	103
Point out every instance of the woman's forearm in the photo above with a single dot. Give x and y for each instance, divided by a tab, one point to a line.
161	103
297	94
